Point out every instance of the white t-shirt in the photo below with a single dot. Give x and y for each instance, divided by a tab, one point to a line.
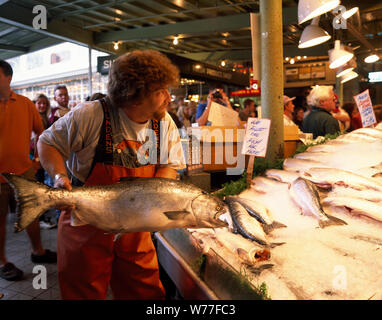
76	137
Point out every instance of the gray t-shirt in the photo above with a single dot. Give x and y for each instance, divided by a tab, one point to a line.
76	136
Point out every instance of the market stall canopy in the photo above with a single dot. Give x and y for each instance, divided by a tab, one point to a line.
210	31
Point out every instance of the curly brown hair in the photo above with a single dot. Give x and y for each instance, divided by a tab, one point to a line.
135	74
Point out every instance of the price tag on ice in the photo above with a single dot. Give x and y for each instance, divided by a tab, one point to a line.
256	137
365	108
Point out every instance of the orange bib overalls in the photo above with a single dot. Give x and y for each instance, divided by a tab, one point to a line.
89	259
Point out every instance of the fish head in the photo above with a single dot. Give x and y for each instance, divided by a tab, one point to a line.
209	211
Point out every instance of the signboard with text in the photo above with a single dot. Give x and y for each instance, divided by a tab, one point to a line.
256	137
365	108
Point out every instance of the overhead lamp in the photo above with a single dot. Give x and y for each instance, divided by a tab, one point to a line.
116	45
292	61
313	35
338	56
347	14
349	76
347	67
175	41
308	9
371	58
222	63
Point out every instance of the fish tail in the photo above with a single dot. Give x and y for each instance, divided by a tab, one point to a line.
29	195
274	225
331	221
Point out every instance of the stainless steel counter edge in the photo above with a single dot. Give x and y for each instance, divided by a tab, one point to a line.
188	283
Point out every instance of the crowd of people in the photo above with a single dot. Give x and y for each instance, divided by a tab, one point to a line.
319	112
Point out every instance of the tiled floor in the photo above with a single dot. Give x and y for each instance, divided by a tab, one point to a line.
18	251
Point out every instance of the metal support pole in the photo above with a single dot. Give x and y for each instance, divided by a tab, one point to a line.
90	76
272	77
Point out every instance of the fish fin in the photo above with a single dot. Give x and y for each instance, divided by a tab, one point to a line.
29	205
176	215
117	236
331	221
259	269
274	244
274	225
75	220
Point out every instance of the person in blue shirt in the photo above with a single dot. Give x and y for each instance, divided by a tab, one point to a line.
216	94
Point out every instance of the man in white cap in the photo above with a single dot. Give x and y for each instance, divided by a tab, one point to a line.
288	111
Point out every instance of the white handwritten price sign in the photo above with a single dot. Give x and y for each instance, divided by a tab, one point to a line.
255	142
256	137
365	108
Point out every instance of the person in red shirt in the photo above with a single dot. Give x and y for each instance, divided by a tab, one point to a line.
355	116
18	118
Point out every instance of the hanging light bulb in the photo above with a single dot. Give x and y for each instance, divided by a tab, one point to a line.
347	67
308	9
349	76
116	45
175	41
313	35
371	58
347	14
292	61
338	56
222	63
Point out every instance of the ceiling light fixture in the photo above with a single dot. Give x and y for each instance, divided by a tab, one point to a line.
222	63
338	56
308	9
347	14
313	35
371	58
347	67
116	45
175	41
292	61
349	76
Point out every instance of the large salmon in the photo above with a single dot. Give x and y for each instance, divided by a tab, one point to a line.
141	204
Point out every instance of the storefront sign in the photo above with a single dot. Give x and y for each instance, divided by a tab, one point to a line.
253	90
375	76
365	108
104	64
256	137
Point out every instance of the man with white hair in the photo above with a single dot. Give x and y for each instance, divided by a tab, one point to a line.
320	121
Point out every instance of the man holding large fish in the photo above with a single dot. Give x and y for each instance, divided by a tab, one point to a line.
103	142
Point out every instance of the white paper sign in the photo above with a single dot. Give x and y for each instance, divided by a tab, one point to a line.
222	116
256	137
365	108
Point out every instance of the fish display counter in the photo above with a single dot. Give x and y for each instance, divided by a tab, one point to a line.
310	231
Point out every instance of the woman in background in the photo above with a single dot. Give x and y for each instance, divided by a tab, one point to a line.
355	116
43	107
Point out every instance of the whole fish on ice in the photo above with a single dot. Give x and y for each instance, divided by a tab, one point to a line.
142	204
282	175
260	212
357	206
246	225
305	195
301	165
326	177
